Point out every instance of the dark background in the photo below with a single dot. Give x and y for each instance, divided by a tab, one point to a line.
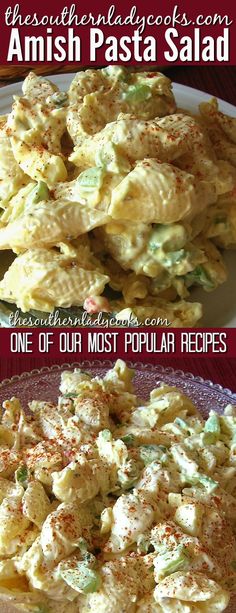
217	80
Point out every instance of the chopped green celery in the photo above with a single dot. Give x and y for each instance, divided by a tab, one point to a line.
128	474
109	158
173	237
128	439
137	93
143	543
106	154
83	545
91	179
22	475
181	423
106	435
153	453
59	98
208	482
119	72
81	578
212	425
39	192
89	559
208	438
41	608
201	277
174	257
172	561
204	480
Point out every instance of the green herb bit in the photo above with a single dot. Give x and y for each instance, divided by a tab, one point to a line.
22	474
128	439
200	276
171	237
89	559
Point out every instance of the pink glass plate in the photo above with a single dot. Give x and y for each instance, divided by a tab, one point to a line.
44	385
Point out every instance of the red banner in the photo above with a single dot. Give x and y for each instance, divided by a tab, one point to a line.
127	343
137	33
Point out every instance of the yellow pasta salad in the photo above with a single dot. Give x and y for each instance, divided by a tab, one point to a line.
109	503
114	199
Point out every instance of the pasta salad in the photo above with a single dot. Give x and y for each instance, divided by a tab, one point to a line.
112	504
114	199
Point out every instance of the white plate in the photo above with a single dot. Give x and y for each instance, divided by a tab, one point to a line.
219	307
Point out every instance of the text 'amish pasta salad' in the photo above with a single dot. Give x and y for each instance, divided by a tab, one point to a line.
116	505
110	188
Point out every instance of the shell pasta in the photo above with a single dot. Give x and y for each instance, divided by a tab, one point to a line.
112	503
112	166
